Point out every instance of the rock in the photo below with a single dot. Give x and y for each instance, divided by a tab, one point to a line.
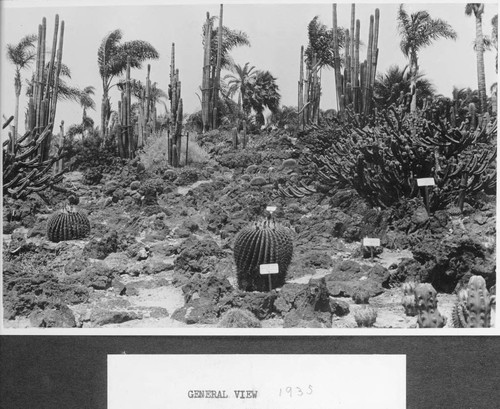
117	262
340	308
198	256
118	194
260	304
135	185
142	254
289	163
420	216
212	287
198	311
95	275
61	317
100	249
100	317
182	232
190	225
251	169
361	296
305	302
258	181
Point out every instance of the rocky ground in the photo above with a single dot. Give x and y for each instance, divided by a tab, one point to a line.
160	249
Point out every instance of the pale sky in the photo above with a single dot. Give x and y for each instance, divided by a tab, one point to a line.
276	33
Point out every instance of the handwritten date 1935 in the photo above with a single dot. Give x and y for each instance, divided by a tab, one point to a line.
295	391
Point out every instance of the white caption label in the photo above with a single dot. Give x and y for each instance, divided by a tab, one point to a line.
426	182
256	381
269	268
271	208
371	242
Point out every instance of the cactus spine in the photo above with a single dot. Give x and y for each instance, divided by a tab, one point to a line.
262	243
428	314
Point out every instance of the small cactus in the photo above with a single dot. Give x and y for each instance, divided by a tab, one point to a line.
408	299
460	314
67	224
262	243
365	317
239	318
478	303
428	314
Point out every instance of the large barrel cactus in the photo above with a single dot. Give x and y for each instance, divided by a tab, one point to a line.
68	224
262	243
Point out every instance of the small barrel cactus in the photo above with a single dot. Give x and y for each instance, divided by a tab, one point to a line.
408	299
262	243
68	224
460	314
365	317
428	314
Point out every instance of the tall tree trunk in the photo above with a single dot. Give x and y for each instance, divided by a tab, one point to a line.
104	104
217	72
481	78
413	80
17	84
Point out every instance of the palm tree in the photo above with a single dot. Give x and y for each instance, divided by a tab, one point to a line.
395	83
494	37
86	100
263	92
112	60
21	55
320	43
478	9
238	83
419	30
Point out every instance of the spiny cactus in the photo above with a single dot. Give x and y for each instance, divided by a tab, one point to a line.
408	299
67	224
478	303
428	314
239	318
460	314
365	317
262	243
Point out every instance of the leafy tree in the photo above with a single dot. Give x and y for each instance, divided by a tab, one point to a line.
478	9
112	61
417	31
21	55
86	100
494	37
389	88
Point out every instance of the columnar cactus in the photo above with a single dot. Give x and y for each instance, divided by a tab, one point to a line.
478	303
67	224
428	314
460	313
408	299
262	243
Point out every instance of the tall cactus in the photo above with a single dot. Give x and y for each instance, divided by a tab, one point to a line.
262	243
478	303
428	314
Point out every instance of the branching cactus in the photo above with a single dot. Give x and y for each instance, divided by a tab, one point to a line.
428	314
478	303
262	243
68	224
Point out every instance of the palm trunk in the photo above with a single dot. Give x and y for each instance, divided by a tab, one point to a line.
413	80
481	79
103	111
16	112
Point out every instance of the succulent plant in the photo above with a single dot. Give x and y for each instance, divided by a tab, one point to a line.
478	303
426	301
460	314
239	318
365	317
68	224
262	243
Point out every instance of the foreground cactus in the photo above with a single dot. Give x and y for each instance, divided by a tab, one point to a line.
67	224
428	314
365	317
408	299
473	308
262	243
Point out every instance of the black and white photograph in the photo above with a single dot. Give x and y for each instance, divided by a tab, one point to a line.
256	168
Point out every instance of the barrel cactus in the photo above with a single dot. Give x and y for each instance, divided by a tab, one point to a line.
68	224
478	303
262	243
428	314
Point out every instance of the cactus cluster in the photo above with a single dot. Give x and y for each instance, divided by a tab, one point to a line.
262	243
68	224
473	306
382	155
426	301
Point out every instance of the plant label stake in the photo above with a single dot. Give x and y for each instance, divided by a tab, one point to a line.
371	243
271	209
269	269
426	182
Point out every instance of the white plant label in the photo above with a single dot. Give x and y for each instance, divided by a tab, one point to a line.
426	182
269	269
368	242
240	381
271	209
